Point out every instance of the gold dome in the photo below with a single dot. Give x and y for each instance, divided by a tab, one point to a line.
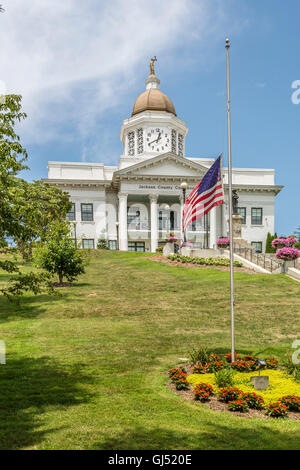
153	100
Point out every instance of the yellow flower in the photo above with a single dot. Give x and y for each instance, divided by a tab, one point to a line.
280	383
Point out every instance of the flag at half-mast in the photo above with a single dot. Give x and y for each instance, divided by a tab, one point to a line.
207	194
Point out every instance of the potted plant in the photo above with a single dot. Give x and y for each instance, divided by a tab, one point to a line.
171	238
223	243
288	254
169	246
282	242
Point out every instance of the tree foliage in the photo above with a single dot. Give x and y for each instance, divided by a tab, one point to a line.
58	253
269	247
12	161
36	206
26	209
33	282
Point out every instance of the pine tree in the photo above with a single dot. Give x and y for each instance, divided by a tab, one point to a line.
270	238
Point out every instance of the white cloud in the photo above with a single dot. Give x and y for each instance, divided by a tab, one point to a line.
73	60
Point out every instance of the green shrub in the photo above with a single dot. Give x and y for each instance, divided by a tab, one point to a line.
202	391
269	247
291	401
203	261
254	401
229	394
238	405
272	362
291	368
276	410
179	379
199	355
102	244
224	378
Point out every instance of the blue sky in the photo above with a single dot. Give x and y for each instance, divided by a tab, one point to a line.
80	66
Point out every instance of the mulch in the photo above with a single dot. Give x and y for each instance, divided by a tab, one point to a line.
63	284
165	260
214	404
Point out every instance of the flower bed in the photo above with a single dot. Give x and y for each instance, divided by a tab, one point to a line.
280	384
203	261
281	399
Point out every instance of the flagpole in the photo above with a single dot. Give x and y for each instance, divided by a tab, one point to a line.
230	203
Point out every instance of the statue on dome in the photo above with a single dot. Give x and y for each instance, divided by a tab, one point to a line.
154	59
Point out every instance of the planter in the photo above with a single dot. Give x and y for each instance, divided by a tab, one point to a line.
286	265
168	249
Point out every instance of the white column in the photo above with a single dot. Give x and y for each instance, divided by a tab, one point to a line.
181	210
213	228
154	228
224	220
123	235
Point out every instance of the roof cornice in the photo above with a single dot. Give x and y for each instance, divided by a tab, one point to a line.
255	187
76	182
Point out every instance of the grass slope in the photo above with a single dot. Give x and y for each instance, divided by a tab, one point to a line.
85	371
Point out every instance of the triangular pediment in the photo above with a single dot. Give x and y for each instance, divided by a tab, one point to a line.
166	165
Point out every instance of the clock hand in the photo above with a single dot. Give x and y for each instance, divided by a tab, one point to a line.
158	138
155	140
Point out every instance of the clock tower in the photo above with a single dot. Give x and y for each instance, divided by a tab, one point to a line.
153	127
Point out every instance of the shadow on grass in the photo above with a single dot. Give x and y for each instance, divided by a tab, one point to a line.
30	388
30	306
210	436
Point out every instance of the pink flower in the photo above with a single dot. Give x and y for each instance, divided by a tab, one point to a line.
223	242
288	253
281	242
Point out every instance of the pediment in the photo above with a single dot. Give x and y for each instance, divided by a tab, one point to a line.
167	164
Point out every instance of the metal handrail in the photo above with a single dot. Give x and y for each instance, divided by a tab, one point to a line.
261	258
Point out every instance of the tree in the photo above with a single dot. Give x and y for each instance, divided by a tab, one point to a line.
269	247
58	253
297	235
25	207
36	206
12	158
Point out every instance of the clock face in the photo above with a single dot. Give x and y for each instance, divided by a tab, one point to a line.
158	140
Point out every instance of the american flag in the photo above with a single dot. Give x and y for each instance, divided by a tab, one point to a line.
207	194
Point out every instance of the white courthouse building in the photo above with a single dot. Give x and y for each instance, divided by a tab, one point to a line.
134	204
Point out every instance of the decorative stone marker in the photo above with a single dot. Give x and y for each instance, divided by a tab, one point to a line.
168	249
237	226
260	382
185	250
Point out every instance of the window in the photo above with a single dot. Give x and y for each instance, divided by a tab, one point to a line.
256	215
257	246
87	243
160	220
133	218
172	220
71	214
87	212
242	212
136	246
112	244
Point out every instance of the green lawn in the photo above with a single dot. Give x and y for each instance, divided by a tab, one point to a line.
86	371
